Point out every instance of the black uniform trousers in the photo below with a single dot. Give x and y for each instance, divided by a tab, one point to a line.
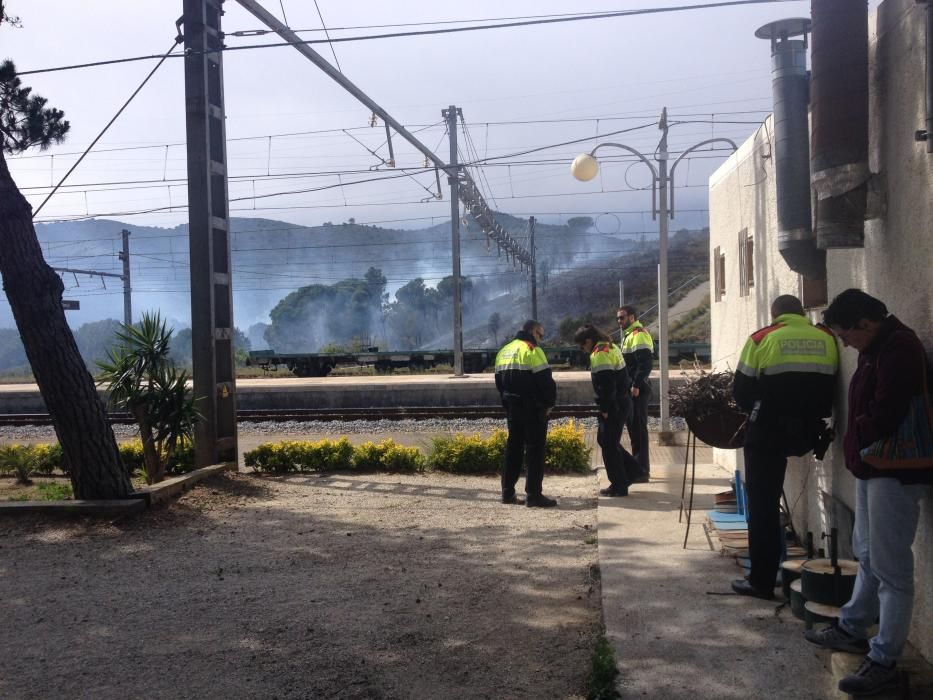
527	434
621	467
637	424
764	483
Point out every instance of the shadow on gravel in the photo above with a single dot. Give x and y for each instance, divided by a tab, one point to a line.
303	588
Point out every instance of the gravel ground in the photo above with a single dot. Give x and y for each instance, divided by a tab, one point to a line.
348	586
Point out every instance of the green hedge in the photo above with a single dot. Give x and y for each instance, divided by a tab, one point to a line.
334	455
468	454
565	453
47	458
294	456
387	456
131	454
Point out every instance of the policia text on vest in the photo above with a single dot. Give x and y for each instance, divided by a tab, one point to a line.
785	382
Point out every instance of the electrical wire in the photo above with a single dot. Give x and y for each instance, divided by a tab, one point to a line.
104	130
413	128
327	34
394	35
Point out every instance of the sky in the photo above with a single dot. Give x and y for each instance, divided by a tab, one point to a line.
290	127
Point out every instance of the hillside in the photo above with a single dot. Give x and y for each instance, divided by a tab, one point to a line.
589	293
272	258
340	285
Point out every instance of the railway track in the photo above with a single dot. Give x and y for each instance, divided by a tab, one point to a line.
341	414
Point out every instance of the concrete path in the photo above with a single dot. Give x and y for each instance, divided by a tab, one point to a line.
677	630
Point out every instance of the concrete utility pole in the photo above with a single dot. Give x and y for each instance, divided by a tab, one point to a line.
127	288
534	268
215	437
621	292
453	177
664	438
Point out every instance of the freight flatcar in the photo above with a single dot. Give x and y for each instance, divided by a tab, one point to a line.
323	363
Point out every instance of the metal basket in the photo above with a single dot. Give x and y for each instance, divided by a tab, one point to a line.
724	430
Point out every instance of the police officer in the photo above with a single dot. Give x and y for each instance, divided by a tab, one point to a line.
528	394
638	351
613	396
784	381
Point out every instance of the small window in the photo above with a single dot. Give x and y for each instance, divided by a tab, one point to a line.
719	274
746	262
813	292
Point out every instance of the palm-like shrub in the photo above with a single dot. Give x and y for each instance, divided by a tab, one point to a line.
19	459
144	381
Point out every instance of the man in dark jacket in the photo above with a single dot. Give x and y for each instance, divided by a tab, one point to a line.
784	380
612	386
638	351
891	378
528	393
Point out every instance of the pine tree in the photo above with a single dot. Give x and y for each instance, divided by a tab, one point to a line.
34	291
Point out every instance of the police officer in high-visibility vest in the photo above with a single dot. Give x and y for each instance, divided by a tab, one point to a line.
638	351
612	386
784	381
528	394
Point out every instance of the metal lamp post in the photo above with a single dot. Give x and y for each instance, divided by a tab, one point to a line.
585	167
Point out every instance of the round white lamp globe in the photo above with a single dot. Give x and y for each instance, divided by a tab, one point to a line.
584	167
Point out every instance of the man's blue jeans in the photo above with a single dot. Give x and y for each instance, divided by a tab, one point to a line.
886	515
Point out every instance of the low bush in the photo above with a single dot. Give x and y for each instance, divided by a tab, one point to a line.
565	451
19	460
295	456
131	454
468	454
387	456
48	458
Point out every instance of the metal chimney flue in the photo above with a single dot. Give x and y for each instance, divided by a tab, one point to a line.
790	86
839	109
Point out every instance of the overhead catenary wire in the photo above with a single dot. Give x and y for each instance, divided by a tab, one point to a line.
414	128
327	34
108	125
396	35
180	208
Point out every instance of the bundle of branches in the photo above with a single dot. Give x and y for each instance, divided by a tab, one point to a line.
705	401
704	394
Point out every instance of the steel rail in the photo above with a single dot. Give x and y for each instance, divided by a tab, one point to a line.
341	414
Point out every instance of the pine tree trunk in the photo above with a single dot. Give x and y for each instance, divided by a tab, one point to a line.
34	291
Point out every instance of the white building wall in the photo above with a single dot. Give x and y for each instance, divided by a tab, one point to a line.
894	265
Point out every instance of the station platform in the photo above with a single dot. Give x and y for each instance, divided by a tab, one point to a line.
573	388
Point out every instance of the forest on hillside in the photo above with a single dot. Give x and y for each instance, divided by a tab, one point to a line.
368	309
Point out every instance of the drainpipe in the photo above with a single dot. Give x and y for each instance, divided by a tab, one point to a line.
839	110
790	87
927	134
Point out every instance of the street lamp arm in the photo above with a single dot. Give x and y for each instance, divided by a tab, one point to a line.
631	150
641	156
681	157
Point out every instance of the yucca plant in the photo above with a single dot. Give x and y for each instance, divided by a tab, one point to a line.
144	381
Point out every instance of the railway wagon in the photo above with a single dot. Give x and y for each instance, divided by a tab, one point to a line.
477	360
322	364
